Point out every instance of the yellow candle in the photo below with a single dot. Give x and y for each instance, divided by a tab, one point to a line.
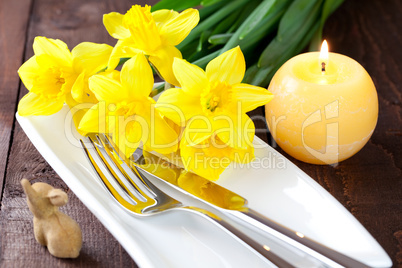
325	108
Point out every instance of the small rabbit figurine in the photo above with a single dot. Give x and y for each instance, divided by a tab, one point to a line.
52	228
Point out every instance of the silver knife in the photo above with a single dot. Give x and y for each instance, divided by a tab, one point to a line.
234	207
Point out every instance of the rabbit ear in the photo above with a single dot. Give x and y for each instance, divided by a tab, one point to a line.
29	191
57	197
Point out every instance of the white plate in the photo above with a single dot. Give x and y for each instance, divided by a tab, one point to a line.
272	185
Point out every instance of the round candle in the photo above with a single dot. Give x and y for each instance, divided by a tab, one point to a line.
325	107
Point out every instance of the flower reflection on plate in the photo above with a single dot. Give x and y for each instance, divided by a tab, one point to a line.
272	185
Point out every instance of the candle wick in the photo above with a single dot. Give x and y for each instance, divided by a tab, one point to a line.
323	67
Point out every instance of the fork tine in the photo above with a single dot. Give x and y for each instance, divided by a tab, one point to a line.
150	187
115	175
162	199
105	142
133	208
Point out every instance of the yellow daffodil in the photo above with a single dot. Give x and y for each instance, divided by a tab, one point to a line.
213	105
155	34
126	110
55	76
216	98
48	76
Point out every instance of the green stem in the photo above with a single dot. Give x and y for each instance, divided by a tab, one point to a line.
211	21
157	90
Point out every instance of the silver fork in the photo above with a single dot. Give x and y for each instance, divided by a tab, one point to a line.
152	200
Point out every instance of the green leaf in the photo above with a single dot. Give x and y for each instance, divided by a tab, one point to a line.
206	59
203	38
266	26
264	75
269	11
206	11
243	14
296	15
282	44
219	39
227	22
177	5
212	21
329	7
190	49
250	73
259	13
206	3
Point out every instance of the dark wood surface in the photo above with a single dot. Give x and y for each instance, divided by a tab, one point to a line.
369	184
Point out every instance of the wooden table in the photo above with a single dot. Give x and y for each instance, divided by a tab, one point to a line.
369	184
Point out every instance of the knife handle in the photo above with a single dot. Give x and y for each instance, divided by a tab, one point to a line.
293	239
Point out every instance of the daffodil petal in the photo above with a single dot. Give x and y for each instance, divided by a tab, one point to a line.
196	161
136	76
128	140
236	130
55	48
28	72
90	57
78	110
164	15
228	67
107	89
80	91
138	130
114	74
77	90
114	25
177	28
32	104
163	138
187	153
178	106
198	129
163	61
191	77
123	49
95	119
250	96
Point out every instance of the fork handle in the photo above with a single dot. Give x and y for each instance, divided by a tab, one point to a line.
293	239
257	246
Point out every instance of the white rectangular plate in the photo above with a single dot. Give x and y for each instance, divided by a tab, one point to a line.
272	184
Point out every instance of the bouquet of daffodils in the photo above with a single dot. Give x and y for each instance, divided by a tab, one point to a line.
202	118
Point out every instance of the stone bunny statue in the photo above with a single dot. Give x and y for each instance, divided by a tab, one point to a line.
52	228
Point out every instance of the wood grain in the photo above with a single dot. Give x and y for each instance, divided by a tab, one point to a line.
12	45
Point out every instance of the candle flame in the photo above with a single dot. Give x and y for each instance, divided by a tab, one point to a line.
324	56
